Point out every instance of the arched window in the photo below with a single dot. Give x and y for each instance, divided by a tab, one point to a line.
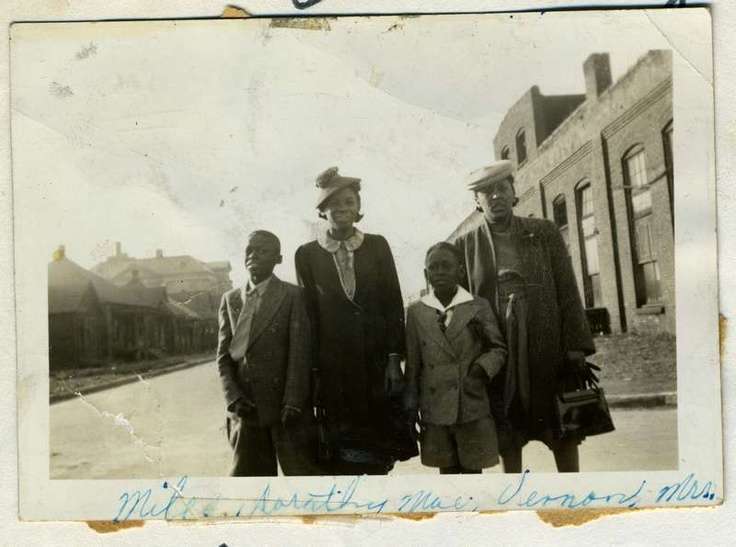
635	179
505	153
644	248
559	215
588	234
669	166
520	147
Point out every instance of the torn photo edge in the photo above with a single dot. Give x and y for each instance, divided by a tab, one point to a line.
697	482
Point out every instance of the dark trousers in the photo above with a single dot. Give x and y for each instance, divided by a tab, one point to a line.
257	450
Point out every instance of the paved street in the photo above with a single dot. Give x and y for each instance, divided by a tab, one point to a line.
174	424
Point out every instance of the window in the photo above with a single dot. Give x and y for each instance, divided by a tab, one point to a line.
635	171
589	246
520	147
644	249
505	153
559	215
669	166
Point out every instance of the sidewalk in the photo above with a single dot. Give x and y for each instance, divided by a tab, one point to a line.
643	400
131	373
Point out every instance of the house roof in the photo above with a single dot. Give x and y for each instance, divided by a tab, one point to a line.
159	265
204	303
68	283
150	296
113	266
181	310
64	299
168	265
219	265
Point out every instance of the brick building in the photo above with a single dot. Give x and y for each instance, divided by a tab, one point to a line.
599	165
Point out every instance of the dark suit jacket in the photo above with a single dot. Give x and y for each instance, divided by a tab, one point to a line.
438	363
277	361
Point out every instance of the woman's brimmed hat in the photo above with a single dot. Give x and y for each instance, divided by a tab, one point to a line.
480	179
330	181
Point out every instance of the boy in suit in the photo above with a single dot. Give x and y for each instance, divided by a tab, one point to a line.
263	361
454	349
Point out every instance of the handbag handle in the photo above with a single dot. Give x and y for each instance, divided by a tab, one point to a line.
586	378
591	379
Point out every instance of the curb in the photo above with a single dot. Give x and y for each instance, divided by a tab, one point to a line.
59	397
624	401
643	400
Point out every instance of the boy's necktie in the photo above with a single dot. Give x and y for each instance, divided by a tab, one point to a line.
442	319
241	336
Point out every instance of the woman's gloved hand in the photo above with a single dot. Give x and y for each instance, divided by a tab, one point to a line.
394	378
290	415
410	404
410	414
584	370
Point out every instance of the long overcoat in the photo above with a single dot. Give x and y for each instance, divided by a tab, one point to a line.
352	338
556	318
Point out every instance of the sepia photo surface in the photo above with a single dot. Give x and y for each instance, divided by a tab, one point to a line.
166	375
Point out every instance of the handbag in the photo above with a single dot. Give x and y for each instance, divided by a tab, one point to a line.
583	412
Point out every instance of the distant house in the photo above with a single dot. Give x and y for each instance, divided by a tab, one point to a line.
92	321
185	278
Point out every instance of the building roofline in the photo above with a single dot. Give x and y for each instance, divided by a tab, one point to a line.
550	139
535	90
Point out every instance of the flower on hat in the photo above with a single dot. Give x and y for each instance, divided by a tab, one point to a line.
330	181
324	179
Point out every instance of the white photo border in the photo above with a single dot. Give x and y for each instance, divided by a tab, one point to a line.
699	480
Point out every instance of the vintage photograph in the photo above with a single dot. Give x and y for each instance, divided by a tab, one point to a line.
355	247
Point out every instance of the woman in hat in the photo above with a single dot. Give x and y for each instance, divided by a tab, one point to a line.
357	316
522	267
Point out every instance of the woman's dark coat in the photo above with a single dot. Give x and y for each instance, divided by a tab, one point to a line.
556	318
352	339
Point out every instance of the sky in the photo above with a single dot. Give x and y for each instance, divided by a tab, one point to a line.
185	136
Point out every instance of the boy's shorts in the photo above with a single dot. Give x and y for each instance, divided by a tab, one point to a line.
472	445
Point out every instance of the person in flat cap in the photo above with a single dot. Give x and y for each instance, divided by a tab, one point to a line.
357	315
522	267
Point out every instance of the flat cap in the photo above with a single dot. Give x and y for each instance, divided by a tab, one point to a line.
330	181
497	171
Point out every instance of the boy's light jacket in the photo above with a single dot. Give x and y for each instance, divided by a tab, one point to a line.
439	365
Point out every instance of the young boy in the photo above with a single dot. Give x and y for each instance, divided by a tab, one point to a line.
263	360
454	348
